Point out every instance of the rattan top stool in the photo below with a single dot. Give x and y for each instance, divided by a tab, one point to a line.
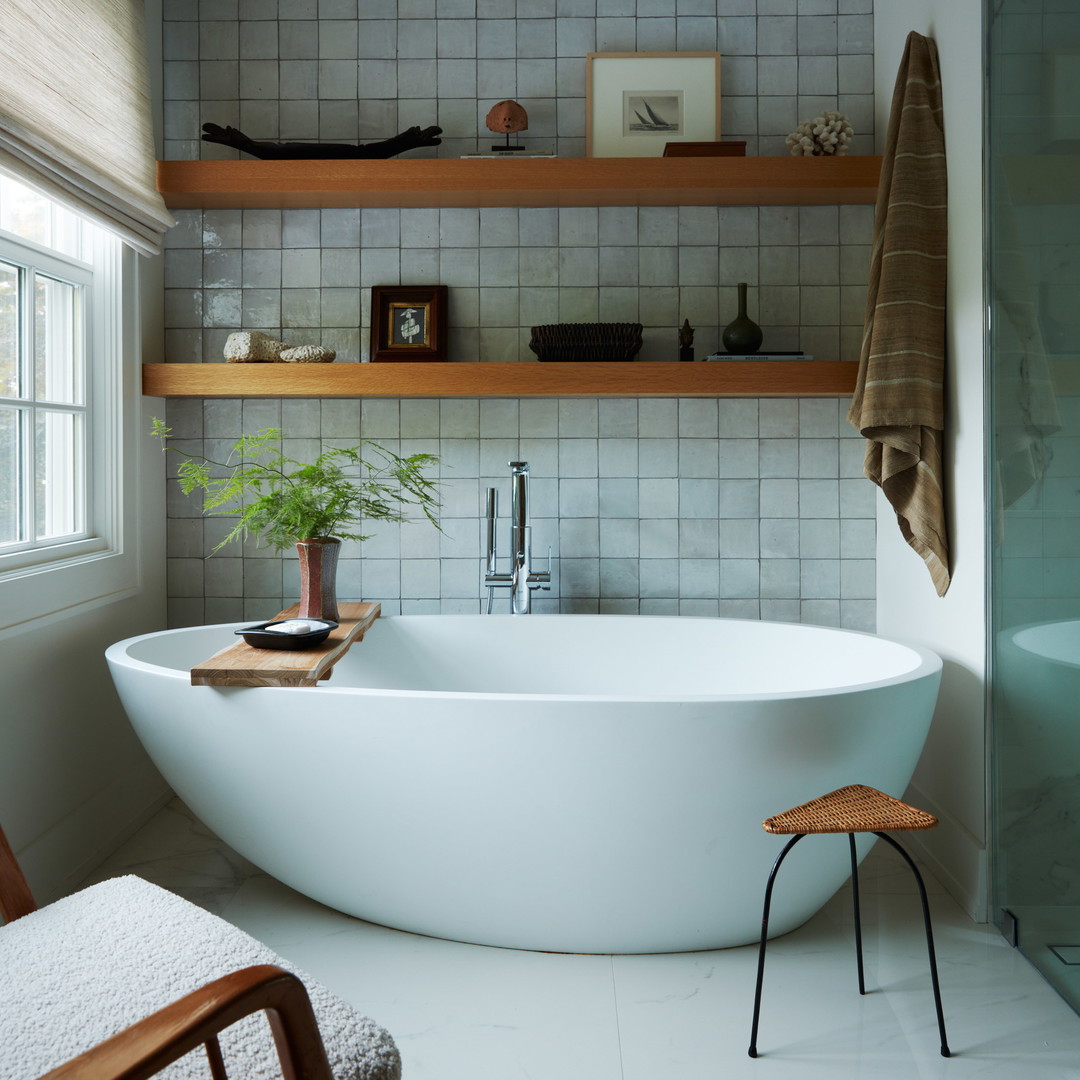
849	810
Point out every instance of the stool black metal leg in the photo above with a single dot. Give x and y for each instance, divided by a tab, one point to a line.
858	915
764	936
929	939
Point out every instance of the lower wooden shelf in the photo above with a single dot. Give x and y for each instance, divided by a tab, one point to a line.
526	379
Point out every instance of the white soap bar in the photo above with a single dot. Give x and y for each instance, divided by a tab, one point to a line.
293	626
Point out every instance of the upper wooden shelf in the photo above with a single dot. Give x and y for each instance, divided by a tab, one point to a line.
726	378
410	182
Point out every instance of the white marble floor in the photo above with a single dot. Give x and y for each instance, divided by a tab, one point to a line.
466	1012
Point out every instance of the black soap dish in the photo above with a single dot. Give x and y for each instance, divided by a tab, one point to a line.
264	636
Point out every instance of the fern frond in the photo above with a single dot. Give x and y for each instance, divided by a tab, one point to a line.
281	500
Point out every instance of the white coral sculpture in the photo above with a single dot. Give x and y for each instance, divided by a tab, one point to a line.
254	347
828	133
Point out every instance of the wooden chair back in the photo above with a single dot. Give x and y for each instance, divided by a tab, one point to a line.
16	899
145	1048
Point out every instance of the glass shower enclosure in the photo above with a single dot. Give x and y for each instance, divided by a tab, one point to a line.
1033	218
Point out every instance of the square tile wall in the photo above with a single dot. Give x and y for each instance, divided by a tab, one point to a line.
744	508
306	275
338	70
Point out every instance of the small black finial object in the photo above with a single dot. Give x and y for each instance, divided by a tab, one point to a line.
686	341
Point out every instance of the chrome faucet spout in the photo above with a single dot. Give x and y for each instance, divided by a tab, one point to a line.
522	580
520	596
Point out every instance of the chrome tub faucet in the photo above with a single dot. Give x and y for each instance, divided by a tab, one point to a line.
522	580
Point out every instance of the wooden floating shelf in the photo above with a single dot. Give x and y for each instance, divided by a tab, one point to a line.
413	182
525	379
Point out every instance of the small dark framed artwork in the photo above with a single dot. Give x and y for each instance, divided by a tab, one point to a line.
408	322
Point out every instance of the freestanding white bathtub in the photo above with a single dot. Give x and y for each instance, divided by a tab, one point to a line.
573	783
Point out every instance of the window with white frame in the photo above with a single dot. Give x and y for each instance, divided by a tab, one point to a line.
59	285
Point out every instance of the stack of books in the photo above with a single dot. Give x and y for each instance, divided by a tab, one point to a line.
761	356
512	154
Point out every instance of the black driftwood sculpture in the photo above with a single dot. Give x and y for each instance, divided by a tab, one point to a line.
295	151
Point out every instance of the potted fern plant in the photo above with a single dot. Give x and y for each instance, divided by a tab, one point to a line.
314	506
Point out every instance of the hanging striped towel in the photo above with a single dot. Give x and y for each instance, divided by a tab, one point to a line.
898	402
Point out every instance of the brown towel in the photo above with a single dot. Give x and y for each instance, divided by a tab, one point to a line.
898	402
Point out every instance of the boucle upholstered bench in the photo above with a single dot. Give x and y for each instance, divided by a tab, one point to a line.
78	971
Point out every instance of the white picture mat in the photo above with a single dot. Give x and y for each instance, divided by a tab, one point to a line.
697	75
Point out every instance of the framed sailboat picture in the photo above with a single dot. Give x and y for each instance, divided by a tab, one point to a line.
637	103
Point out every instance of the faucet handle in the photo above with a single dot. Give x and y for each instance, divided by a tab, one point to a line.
540	579
546	576
492	516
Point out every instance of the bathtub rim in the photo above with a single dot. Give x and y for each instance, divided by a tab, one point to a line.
929	664
1009	635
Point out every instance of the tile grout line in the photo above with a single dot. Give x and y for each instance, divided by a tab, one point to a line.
618	1029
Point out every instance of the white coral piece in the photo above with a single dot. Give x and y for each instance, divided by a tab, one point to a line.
828	133
255	347
252	347
307	354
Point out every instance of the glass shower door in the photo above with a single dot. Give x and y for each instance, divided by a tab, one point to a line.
1033	208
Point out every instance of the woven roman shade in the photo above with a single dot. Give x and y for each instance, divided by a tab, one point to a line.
75	119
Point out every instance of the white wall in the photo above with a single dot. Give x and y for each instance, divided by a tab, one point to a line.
950	781
74	782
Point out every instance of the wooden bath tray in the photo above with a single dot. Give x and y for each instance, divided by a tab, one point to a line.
242	665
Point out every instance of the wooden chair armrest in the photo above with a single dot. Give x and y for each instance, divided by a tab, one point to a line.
16	899
148	1046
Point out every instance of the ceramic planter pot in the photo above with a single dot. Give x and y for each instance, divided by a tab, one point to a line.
318	577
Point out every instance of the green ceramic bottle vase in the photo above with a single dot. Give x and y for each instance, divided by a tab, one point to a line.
742	334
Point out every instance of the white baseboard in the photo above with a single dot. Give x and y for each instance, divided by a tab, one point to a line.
953	855
59	860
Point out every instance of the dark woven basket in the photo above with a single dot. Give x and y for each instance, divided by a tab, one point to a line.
586	341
